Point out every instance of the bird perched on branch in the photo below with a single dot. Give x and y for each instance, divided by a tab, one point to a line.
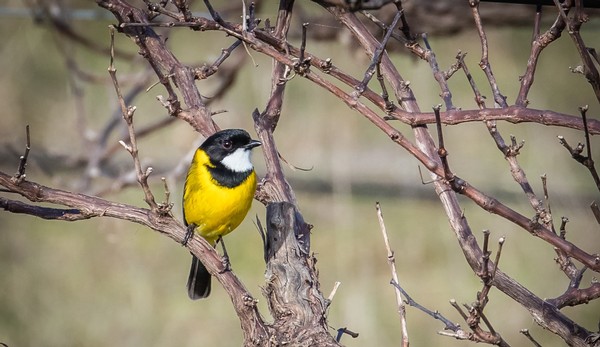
217	195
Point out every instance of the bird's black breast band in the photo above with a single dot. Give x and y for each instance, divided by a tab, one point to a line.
226	177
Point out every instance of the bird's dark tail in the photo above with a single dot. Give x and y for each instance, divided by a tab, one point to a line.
198	284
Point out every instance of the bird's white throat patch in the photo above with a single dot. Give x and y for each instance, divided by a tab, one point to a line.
238	161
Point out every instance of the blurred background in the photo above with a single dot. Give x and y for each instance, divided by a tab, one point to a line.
106	281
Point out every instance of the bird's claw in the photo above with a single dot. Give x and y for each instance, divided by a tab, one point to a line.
189	234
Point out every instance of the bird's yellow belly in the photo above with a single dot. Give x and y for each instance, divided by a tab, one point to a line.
217	210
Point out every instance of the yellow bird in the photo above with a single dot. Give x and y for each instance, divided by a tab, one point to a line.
217	195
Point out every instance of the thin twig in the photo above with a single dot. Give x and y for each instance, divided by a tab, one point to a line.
563	259
536	22
497	260
214	14
384	26
440	76
442	152
247	28
448	324
537	46
127	112
166	206
303	44
389	105
336	285
182	6
155	8
392	264
575	152
302	65
376	58
510	154
20	174
528	335
207	71
574	23
342	331
544	179
484	62
486	254
589	163
479	99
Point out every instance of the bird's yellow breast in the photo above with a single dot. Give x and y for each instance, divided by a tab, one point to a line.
215	209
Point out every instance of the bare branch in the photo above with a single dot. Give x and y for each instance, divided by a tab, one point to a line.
511	114
342	331
274	187
574	24
528	335
586	161
127	112
90	206
376	60
575	296
20	174
164	63
510	154
42	212
537	46
392	263
448	324
439	76
484	63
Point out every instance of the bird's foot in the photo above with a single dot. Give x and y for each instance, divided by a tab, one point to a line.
188	234
226	264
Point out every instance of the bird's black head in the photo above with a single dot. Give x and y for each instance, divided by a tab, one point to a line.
230	147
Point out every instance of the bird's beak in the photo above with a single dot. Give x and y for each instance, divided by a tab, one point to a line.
252	144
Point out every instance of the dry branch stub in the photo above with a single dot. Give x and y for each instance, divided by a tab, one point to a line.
292	289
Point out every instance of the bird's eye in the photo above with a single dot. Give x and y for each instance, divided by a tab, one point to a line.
227	144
